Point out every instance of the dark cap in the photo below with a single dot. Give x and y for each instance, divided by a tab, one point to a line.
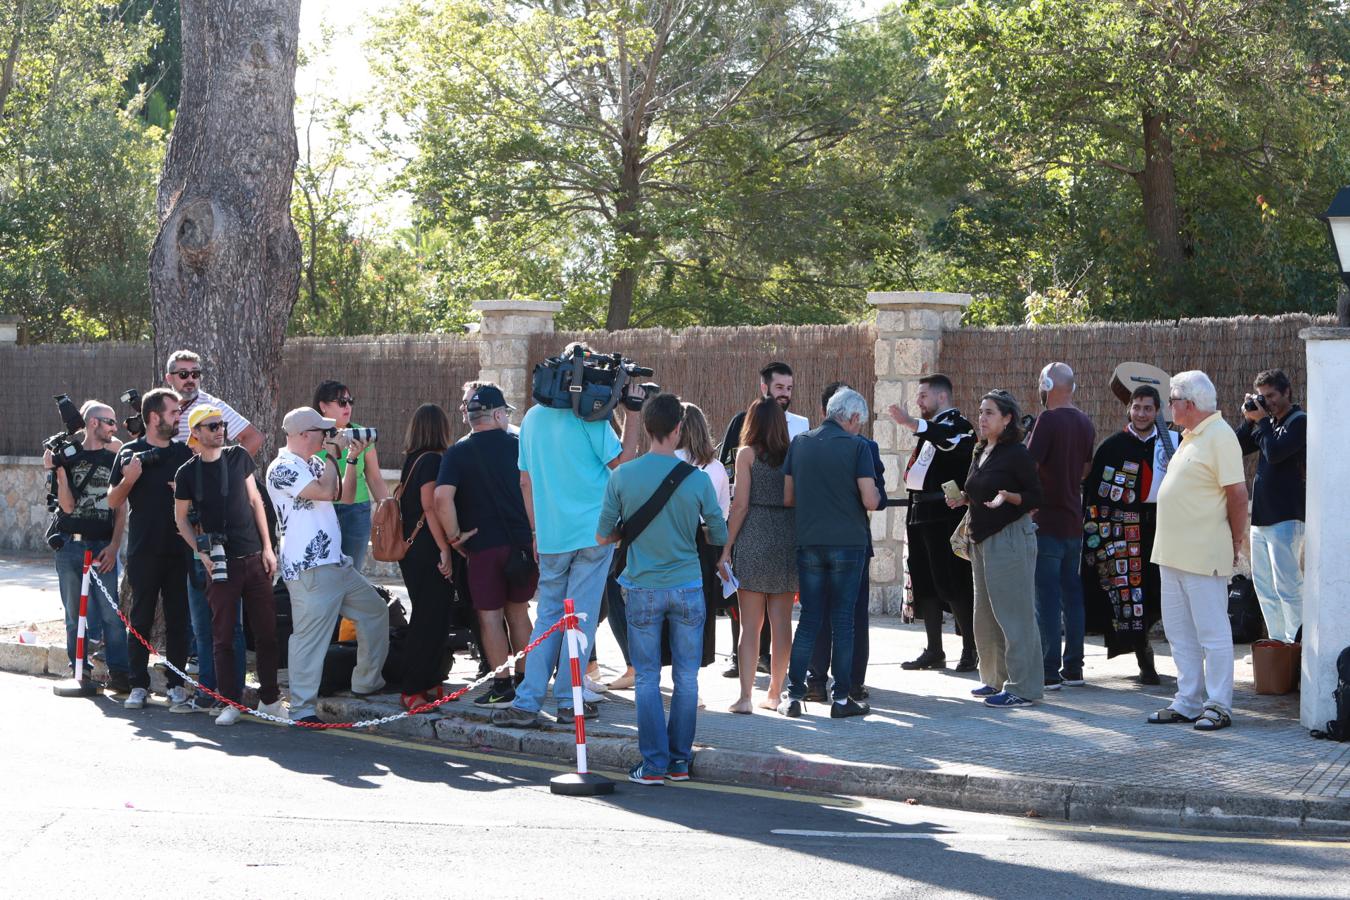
487	398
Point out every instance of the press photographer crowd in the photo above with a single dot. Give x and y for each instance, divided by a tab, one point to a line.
1027	530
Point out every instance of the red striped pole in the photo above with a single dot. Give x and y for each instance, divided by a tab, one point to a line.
582	783
84	616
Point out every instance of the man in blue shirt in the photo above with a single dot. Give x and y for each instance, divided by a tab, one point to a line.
832	481
664	581
564	463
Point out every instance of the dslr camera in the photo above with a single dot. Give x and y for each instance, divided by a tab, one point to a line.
134	423
343	437
1253	402
213	545
590	384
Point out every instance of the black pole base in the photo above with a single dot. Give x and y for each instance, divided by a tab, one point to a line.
72	688
575	784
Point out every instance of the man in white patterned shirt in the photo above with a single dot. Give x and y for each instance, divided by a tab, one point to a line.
323	583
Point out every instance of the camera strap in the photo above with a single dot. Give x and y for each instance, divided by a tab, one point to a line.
199	491
632	528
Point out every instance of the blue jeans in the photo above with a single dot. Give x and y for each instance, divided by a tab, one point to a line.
1059	597
828	579
200	612
1277	577
354	521
103	623
684	609
818	672
579	575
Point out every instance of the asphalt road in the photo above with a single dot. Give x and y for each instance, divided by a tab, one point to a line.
103	802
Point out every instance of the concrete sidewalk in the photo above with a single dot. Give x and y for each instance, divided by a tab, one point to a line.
1083	754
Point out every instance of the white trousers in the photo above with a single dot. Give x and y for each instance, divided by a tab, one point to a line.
1195	614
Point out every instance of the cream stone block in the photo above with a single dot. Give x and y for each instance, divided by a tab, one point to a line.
888	392
883	569
924	320
914	356
891	320
951	319
883	430
879	523
881	357
894	473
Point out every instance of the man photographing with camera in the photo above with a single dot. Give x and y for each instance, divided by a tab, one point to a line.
142	477
1277	428
230	538
85	521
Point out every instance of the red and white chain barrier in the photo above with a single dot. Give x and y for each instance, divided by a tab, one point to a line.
83	625
569	621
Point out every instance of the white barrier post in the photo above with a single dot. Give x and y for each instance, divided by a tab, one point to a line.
79	688
581	783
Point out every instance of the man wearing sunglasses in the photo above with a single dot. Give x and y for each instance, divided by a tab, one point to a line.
87	522
184	374
219	485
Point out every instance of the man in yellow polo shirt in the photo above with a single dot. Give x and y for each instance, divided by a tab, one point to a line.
1202	519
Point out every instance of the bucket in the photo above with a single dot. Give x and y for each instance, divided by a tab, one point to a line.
1274	667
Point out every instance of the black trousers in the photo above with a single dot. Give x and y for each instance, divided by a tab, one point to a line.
862	644
430	593
155	577
940	577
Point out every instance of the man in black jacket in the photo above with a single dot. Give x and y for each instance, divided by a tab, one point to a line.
945	442
1277	428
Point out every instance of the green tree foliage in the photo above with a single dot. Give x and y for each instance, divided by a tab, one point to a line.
77	170
1185	146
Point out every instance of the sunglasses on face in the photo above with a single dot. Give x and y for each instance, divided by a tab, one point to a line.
105	420
345	401
212	427
194	374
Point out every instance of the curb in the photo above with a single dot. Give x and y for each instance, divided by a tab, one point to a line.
1080	802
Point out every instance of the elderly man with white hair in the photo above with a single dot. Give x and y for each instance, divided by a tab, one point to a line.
1202	520
830	476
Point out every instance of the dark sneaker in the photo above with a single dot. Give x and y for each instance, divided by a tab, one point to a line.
969	662
848	709
639	775
984	690
763	667
498	695
119	683
1072	679
1053	684
732	671
588	711
1005	700
791	708
308	720
515	717
1149	676
926	660
678	770
815	693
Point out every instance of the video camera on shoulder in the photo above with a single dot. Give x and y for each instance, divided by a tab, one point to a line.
64	445
134	423
590	384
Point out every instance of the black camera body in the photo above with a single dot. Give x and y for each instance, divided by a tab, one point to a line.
134	423
63	446
1253	402
590	384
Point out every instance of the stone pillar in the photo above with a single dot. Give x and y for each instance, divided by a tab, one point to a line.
9	329
909	340
504	344
1326	579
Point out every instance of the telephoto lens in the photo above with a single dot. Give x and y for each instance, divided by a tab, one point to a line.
364	435
219	568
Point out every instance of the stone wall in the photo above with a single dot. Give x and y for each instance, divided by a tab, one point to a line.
23	504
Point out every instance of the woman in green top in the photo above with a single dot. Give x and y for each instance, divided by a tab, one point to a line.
334	401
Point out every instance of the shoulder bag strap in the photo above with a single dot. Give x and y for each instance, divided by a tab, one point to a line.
398	496
649	510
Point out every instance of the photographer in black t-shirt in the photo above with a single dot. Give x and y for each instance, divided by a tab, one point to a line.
142	477
231	523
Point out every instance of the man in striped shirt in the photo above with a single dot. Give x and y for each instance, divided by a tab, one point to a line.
184	374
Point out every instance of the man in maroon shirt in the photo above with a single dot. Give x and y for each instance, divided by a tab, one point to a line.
1061	443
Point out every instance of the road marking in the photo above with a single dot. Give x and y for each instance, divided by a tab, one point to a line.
503	759
893	835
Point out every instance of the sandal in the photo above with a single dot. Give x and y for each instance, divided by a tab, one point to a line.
435	694
1168	716
1212	719
411	701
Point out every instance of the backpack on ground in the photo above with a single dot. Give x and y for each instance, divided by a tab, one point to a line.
1244	611
1338	729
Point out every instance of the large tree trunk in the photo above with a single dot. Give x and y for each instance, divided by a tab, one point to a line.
628	231
225	268
1158	185
11	55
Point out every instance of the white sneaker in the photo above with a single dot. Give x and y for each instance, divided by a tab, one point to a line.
228	716
136	700
277	709
591	696
177	695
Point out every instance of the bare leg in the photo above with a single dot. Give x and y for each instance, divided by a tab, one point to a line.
780	628
495	647
518	626
752	620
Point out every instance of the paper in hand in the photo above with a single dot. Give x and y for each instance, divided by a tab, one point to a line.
729	581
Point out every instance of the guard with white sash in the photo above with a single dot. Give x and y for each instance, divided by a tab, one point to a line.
939	577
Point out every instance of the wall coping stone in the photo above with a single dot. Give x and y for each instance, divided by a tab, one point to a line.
918	298
536	307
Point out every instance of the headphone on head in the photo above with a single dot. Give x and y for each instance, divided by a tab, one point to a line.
1047	383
